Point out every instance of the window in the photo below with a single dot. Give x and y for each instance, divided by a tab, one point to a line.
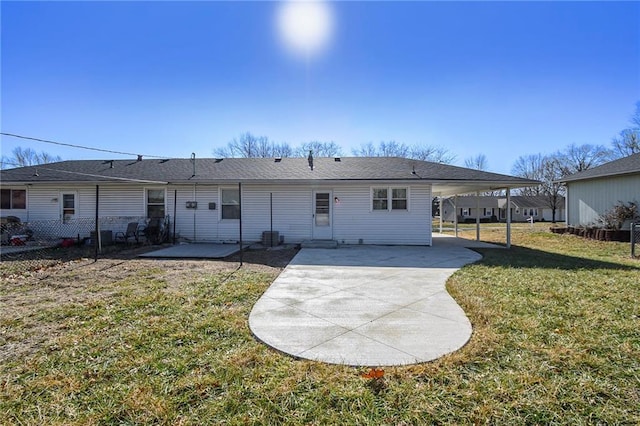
380	198
155	203
14	199
230	203
389	199
465	212
68	206
399	199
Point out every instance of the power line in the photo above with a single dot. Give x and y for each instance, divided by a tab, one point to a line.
77	146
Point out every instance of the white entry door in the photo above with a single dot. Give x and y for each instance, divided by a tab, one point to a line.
322	215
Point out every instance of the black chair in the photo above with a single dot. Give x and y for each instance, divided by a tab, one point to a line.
131	232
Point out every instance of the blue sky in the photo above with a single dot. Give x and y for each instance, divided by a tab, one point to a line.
502	79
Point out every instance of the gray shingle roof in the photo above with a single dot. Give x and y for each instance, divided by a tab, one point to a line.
621	166
211	170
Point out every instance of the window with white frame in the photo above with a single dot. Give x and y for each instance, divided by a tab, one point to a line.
155	203
389	198
380	198
465	212
230	203
399	199
14	199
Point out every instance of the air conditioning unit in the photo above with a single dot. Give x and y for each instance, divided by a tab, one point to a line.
270	238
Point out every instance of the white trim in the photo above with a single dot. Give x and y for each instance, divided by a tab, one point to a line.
220	199
76	204
390	189
145	213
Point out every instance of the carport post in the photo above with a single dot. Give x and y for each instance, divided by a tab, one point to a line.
440	208
508	217
455	214
477	216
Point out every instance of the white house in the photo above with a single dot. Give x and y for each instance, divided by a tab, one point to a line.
350	200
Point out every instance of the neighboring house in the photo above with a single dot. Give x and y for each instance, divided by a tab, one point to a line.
524	207
493	208
594	191
466	208
351	200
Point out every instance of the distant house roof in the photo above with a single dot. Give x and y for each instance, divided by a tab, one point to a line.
523	201
470	201
230	170
621	166
531	201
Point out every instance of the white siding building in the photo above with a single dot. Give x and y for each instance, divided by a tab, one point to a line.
348	200
592	192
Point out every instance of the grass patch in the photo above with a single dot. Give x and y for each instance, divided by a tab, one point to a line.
555	340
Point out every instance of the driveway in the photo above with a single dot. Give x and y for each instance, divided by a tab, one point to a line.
365	305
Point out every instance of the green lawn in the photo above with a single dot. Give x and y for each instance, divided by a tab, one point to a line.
556	341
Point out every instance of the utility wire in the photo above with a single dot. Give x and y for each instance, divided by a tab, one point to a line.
77	146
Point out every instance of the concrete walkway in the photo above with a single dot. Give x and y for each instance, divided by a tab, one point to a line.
366	305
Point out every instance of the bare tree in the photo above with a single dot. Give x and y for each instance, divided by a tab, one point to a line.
628	140
530	167
250	146
479	162
547	169
395	149
627	143
21	157
552	189
436	154
578	158
320	149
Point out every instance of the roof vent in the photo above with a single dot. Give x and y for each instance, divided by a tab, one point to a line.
164	161
109	162
219	160
310	158
337	159
139	158
278	159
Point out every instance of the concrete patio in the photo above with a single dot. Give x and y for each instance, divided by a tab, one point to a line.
366	305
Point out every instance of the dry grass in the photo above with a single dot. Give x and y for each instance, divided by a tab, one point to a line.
555	341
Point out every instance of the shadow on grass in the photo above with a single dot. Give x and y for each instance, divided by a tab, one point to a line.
524	257
35	259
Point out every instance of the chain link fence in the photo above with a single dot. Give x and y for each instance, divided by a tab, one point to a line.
38	243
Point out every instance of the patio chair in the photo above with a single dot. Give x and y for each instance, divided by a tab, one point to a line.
131	232
153	231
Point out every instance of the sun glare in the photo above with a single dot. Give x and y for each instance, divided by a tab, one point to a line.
305	26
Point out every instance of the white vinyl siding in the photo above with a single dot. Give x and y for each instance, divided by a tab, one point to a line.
588	199
288	208
290	212
352	223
